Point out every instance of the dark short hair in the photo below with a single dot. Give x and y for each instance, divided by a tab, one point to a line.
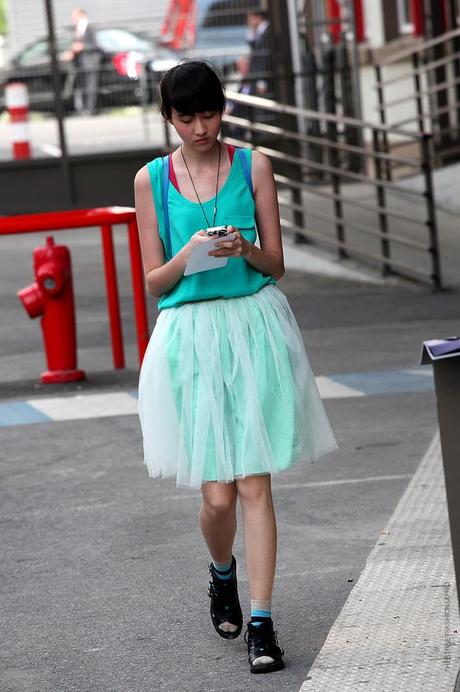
263	14
191	87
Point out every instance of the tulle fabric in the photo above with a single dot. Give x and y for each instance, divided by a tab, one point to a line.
226	391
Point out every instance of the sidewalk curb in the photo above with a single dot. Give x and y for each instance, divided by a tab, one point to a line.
399	629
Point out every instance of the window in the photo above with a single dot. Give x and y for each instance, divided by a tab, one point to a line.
404	17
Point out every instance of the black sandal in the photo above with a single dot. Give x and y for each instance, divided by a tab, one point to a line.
225	604
263	645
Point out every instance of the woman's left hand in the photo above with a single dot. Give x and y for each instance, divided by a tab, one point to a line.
238	247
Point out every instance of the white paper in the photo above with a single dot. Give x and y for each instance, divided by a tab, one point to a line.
200	261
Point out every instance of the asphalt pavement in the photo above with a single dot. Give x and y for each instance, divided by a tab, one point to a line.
104	572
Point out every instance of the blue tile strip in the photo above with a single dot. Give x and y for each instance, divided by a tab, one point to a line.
390	382
20	413
368	383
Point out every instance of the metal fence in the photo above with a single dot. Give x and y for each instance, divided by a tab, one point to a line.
419	90
114	70
348	206
116	76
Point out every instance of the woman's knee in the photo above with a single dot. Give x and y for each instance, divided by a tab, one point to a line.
255	489
218	500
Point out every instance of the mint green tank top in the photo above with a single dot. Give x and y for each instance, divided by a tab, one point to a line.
235	206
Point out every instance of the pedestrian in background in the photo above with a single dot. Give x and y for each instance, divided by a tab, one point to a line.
226	394
87	59
260	73
260	59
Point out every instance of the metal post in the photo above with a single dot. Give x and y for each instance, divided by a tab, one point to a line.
356	62
427	145
280	31
381	201
312	101
332	153
381	100
418	90
440	76
59	106
456	75
352	134
338	205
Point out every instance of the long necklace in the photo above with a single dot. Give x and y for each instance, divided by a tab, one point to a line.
197	195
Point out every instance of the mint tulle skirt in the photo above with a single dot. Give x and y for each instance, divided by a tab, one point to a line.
226	391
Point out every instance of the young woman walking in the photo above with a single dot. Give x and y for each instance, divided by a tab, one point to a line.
226	393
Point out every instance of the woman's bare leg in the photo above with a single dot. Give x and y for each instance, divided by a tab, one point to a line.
259	534
218	519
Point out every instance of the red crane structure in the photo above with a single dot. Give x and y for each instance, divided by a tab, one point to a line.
179	26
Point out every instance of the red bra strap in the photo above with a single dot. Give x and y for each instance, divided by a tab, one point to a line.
172	172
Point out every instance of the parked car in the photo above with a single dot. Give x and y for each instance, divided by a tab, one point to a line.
124	54
221	33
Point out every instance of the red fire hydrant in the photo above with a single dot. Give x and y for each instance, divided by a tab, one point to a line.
51	295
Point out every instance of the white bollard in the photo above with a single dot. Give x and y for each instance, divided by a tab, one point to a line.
17	103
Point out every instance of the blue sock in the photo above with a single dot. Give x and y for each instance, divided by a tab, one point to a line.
224	570
260	614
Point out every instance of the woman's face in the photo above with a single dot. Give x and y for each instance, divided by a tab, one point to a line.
198	131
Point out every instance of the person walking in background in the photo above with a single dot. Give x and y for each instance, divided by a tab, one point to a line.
260	60
87	59
260	72
226	393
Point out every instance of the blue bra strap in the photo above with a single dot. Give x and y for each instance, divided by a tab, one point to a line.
165	191
246	169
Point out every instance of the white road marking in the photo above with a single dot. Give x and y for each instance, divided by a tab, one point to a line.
334	390
187	495
86	406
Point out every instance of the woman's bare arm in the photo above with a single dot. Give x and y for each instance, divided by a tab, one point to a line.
160	276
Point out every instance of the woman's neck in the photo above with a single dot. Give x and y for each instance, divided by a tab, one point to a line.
201	158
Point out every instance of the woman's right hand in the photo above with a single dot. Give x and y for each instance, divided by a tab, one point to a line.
198	237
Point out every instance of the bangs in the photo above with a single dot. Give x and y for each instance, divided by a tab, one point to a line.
192	101
192	87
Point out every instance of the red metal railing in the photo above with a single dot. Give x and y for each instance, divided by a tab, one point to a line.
105	218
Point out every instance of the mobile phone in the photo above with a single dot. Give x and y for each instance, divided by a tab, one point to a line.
217	230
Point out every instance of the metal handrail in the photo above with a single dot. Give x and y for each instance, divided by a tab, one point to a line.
321	141
329	158
330	195
433	92
407	270
425	67
333	170
419	48
356	227
420	94
284	109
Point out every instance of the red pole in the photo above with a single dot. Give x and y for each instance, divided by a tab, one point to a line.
140	306
417	17
359	20
334	16
113	302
